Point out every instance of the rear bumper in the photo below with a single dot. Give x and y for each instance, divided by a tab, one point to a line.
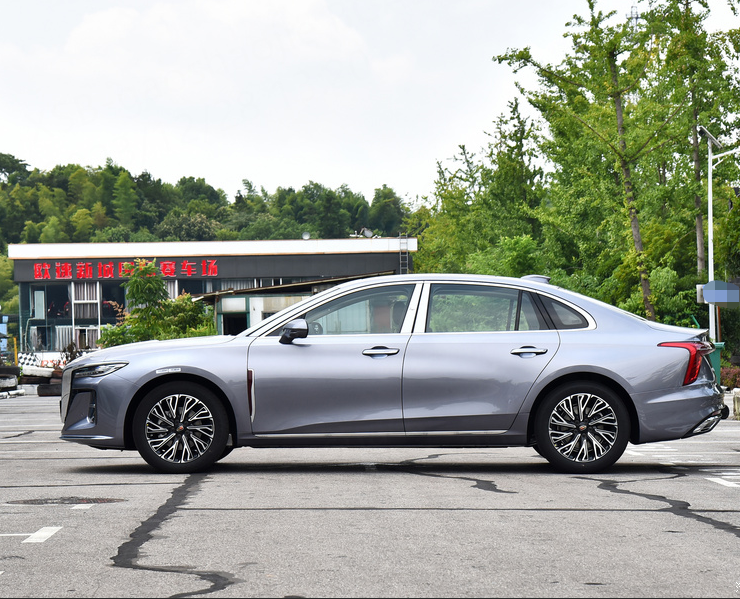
709	422
685	412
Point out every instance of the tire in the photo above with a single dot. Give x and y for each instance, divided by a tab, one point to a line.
180	428
49	389
34	380
8	382
582	428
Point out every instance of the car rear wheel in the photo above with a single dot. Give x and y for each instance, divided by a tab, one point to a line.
181	428
582	428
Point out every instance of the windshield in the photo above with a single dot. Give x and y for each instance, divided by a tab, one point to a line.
278	315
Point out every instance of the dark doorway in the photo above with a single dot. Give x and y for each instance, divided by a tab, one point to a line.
233	324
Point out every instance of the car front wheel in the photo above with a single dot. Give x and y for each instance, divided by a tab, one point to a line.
180	428
582	428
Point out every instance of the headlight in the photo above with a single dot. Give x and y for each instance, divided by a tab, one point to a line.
98	369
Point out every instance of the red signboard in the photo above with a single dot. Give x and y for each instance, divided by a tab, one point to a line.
81	270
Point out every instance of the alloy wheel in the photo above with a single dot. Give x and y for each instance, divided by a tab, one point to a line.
179	428
583	427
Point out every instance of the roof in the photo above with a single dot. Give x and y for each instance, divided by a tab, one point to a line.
301	286
277	247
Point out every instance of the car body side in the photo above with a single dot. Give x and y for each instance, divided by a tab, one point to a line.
603	352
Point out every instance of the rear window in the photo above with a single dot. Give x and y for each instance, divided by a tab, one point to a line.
563	317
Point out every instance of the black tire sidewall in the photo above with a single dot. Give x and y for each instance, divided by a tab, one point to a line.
220	420
541	428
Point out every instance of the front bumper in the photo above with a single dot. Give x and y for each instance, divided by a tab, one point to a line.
91	412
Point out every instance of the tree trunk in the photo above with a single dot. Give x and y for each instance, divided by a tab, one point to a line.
701	263
629	194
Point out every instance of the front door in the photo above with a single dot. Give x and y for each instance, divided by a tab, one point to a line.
344	378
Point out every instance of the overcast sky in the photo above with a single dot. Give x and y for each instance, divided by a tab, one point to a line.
280	92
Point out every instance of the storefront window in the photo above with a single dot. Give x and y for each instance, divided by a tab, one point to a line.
114	300
47	308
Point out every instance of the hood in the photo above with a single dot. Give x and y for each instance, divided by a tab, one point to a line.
123	352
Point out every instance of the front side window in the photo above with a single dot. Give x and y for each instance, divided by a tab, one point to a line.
481	308
371	311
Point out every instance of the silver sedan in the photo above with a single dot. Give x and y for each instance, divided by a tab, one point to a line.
405	360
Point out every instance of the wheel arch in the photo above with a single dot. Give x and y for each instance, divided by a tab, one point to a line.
594	378
174	378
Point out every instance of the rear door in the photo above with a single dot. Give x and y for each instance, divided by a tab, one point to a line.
474	355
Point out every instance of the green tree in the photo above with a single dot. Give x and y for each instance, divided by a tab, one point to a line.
8	289
99	217
53	232
12	170
125	199
191	189
82	191
51	202
31	232
356	206
478	201
332	220
511	257
705	66
82	221
17	206
152	314
186	227
598	87
386	212
251	201
117	234
157	199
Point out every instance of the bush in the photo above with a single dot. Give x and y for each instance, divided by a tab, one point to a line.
154	315
729	376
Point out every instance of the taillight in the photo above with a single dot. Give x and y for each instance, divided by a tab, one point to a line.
697	350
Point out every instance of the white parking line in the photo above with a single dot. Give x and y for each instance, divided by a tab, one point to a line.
726	483
35	537
42	534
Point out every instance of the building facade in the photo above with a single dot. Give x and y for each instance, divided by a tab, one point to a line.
69	291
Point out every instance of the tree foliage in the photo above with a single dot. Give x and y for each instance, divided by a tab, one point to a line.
604	189
153	315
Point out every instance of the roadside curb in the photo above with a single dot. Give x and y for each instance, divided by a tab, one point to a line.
732	401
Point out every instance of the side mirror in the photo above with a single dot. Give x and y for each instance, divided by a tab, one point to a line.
295	329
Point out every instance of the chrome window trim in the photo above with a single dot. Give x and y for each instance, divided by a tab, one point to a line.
301	307
421	316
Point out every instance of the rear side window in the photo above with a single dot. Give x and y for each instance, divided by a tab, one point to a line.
481	308
563	317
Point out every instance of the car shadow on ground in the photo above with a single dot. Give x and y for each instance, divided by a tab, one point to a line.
430	466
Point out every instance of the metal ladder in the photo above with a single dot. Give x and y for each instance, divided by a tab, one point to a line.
403	254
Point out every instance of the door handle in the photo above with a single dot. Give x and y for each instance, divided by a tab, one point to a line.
380	351
529	350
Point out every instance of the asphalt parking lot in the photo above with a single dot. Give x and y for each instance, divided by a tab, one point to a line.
78	522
